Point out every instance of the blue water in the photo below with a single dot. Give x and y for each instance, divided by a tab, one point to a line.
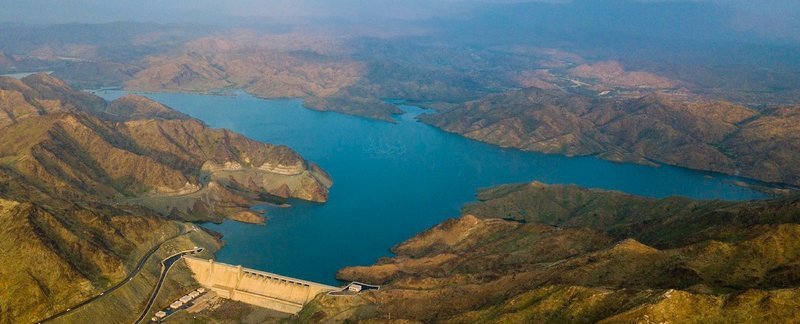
392	181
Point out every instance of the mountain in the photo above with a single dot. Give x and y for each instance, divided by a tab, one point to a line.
89	55
319	67
54	258
266	65
58	251
670	129
88	186
536	252
134	150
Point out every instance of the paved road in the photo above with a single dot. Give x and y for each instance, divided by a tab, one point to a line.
130	276
166	264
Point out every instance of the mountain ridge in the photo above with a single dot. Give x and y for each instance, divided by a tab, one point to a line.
705	135
152	150
536	252
86	187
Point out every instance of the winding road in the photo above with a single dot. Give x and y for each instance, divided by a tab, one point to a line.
127	279
166	264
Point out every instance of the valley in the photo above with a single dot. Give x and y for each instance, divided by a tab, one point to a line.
310	161
424	173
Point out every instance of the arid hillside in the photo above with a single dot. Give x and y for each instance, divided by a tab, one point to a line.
134	150
55	257
657	128
541	253
321	67
87	187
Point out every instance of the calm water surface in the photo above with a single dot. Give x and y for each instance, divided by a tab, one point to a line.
392	181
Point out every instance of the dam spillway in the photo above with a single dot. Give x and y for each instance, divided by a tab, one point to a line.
255	287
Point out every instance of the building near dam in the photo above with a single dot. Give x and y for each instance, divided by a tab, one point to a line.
255	287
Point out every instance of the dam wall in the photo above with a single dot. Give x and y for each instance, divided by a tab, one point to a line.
259	288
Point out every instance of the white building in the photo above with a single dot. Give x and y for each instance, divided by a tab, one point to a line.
176	305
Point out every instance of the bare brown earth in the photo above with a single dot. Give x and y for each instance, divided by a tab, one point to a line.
613	74
317	66
539	253
87	187
265	65
136	149
57	253
699	134
248	216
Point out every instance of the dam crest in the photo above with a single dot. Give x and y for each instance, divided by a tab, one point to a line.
255	287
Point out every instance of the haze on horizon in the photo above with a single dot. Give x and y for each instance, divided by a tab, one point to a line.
771	19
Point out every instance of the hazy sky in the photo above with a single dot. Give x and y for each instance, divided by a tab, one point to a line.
778	16
105	10
158	10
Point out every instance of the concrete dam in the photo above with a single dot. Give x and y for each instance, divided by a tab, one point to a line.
255	287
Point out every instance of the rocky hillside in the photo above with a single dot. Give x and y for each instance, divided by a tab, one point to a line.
539	253
55	258
58	252
698	134
134	150
87	187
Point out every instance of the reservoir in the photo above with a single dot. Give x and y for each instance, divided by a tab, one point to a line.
392	181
